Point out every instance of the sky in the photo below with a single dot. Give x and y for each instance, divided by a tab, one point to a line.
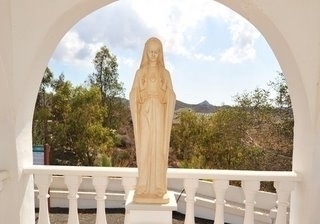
211	52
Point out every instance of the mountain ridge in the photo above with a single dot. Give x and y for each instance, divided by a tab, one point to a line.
202	107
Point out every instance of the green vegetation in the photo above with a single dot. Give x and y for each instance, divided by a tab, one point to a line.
90	125
83	124
234	138
255	134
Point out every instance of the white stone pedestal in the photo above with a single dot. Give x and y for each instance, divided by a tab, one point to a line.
149	213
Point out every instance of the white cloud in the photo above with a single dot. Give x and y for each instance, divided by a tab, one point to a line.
68	47
123	27
126	61
203	57
173	19
244	36
126	24
193	32
74	50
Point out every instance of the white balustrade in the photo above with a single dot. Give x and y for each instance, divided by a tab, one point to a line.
284	183
73	183
43	182
128	184
100	185
190	186
284	190
250	188
220	187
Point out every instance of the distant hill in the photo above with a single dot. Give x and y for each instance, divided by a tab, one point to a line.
203	107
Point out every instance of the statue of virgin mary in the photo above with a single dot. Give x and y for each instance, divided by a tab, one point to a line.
152	103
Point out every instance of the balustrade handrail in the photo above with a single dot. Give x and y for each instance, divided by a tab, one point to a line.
171	173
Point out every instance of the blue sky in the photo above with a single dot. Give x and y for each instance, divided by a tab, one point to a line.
211	52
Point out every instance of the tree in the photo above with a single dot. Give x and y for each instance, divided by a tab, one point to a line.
112	91
79	137
61	151
82	119
253	134
186	139
87	136
227	138
282	91
42	112
271	126
217	141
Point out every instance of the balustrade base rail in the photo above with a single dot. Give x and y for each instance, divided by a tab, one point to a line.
244	209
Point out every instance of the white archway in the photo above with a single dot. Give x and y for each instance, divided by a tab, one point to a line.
250	11
266	25
25	55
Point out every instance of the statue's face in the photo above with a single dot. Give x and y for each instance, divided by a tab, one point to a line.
153	52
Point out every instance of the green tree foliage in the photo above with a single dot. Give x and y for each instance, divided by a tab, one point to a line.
282	98
117	116
84	125
112	91
218	141
186	140
74	124
42	113
255	134
79	137
228	139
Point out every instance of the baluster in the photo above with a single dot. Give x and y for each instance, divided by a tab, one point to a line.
128	184
190	185
220	187
100	184
250	188
43	182
283	192
73	183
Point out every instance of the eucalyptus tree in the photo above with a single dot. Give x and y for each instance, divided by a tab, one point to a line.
106	78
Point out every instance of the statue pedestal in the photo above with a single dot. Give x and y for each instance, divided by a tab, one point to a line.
149	213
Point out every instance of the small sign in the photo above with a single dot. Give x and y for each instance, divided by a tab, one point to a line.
38	155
